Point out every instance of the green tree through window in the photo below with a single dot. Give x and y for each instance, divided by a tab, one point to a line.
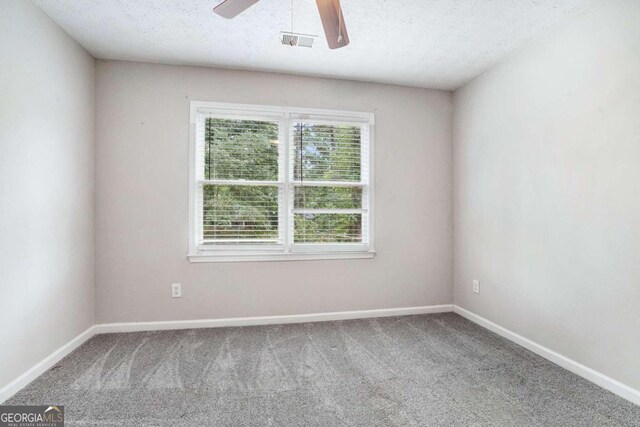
237	150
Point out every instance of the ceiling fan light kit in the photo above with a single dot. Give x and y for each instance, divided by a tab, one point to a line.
330	14
289	38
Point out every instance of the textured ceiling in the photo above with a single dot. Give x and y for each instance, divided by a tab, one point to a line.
428	43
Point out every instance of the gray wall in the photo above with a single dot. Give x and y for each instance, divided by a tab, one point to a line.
46	188
547	191
142	199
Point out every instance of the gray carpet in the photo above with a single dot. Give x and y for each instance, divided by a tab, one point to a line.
416	370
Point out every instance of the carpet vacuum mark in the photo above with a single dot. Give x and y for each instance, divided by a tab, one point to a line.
435	369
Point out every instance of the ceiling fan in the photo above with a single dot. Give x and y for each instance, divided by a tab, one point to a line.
329	10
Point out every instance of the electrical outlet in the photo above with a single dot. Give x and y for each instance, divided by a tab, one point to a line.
176	290
476	286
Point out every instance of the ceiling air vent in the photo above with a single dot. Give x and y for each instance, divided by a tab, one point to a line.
297	39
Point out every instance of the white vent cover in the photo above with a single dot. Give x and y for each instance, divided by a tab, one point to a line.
297	39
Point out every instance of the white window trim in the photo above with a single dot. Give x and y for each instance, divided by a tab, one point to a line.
198	254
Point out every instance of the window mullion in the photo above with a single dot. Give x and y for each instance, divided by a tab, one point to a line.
287	216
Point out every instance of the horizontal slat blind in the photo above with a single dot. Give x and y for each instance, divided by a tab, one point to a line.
330	182
233	213
325	152
309	197
240	192
240	149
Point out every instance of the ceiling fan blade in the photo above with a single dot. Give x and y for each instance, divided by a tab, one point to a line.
333	23
231	8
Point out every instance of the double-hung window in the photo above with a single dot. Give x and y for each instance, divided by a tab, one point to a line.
269	183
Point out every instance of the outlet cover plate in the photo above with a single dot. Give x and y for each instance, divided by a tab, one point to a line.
176	290
476	286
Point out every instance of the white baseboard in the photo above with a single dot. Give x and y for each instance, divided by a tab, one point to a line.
585	372
23	380
105	328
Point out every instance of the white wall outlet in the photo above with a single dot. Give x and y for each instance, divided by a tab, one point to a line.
176	290
476	286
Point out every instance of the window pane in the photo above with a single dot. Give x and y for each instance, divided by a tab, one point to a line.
328	228
241	149
328	197
240	214
329	153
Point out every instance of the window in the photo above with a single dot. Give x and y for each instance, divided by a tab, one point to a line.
270	183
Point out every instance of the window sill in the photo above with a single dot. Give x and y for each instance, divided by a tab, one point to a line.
297	256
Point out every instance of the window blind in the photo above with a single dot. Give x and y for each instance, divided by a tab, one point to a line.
329	180
239	187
